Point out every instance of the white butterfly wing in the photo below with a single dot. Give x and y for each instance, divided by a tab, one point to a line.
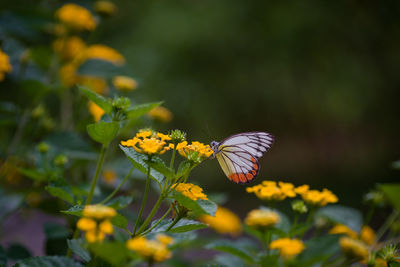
238	155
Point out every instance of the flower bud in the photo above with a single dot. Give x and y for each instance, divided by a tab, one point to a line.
375	198
389	253
299	206
43	147
38	112
177	136
60	160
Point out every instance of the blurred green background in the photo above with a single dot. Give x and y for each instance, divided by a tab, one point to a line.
322	77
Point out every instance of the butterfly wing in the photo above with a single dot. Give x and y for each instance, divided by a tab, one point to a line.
238	155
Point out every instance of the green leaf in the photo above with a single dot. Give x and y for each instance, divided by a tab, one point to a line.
184	225
72	145
350	217
139	162
76	246
120	221
99	68
234	248
99	100
75	210
33	174
17	252
227	260
319	249
392	193
103	132
139	110
120	202
198	207
113	252
183	168
62	192
55	231
48	261
159	165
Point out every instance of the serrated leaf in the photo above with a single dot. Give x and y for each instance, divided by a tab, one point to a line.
139	162
139	110
48	261
76	246
183	168
183	225
62	192
99	100
120	202
198	207
341	214
230	247
159	165
113	252
103	132
392	193
319	249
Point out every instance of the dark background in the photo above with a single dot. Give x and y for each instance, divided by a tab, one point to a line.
322	77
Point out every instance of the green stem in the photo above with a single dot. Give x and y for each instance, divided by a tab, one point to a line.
176	220
151	215
296	219
119	187
267	241
310	215
171	165
389	221
146	191
158	222
369	214
96	175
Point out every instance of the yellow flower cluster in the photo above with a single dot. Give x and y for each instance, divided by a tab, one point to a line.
224	222
270	190
76	17
367	234
69	48
106	8
161	114
103	52
5	65
353	248
341	229
288	248
262	218
185	150
315	197
124	83
191	191
148	142
96	222
96	111
152	250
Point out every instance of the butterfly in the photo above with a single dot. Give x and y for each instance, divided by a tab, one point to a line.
238	154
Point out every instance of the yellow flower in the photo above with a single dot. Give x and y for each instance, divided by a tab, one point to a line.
191	191
288	248
68	74
353	248
109	176
76	17
203	151
152	250
318	198
262	218
5	66
103	52
124	83
269	190
106	8
106	227
343	229
367	235
95	236
86	224
149	143
301	189
99	212
99	85
96	111
161	114
69	48
224	222
165	239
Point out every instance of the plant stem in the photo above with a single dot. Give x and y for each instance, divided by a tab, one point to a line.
296	218
96	175
176	220
146	191
267	241
369	214
119	187
389	221
171	165
158	222
151	215
19	132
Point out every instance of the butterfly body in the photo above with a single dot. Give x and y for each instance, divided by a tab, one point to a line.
238	155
